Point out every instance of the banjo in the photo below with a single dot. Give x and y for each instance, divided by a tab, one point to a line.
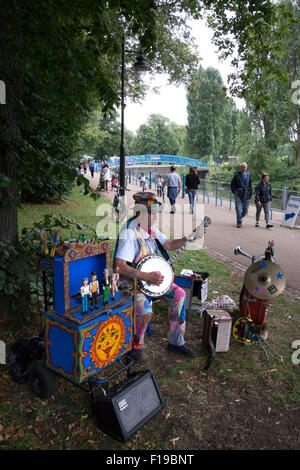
155	262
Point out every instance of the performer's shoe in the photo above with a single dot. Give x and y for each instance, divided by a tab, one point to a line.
182	350
257	224
269	226
136	355
92	308
239	224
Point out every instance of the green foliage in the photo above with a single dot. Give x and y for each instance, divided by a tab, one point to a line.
251	34
20	265
210	115
158	136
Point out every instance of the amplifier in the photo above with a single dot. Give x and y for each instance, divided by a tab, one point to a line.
216	332
127	407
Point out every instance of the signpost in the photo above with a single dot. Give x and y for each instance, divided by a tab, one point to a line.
291	212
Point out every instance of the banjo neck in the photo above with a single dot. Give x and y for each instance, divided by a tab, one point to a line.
177	253
203	224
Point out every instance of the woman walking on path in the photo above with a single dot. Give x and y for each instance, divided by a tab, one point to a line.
263	198
192	182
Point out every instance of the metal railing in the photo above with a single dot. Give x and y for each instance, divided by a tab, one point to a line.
216	192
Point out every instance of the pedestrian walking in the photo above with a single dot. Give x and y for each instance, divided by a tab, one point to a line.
173	183
192	182
263	198
106	176
143	181
159	185
241	186
92	168
114	182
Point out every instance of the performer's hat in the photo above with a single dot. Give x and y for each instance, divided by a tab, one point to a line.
148	200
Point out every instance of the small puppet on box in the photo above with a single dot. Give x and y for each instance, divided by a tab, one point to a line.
105	282
94	290
115	283
85	293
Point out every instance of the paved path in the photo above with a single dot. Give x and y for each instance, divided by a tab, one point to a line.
223	236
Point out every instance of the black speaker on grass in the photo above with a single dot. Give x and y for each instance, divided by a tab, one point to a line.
127	407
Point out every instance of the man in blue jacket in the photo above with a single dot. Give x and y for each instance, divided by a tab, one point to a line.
241	186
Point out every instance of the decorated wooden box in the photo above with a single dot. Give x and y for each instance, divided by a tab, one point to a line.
195	285
81	343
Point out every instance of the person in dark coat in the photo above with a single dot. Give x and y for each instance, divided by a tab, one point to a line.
263	198
192	183
241	186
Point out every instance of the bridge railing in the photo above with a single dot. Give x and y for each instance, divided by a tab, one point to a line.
218	192
154	159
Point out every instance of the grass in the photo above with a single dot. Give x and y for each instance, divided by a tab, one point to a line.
77	207
218	408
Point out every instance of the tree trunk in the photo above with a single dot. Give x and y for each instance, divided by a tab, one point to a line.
12	74
9	196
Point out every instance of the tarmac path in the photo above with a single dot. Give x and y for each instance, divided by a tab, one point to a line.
222	236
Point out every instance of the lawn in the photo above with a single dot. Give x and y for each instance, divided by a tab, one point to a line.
248	399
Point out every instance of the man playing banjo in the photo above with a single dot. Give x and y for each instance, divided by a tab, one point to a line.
136	240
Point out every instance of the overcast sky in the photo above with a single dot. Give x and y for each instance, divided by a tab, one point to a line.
171	101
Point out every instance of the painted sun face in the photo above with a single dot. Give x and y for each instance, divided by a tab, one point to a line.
108	341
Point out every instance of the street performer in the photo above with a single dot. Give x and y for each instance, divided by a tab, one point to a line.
136	240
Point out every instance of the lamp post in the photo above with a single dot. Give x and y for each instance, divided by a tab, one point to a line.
140	66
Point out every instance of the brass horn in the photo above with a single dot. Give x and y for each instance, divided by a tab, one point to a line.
238	251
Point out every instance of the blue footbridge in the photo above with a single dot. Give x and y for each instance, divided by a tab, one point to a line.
155	159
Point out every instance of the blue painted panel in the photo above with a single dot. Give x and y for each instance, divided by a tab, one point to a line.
72	350
59	284
62	348
183	281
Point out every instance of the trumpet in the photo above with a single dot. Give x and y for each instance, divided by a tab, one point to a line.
238	251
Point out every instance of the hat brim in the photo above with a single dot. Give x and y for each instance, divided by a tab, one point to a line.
153	208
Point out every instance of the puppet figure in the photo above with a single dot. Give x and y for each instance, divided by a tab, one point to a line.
106	285
85	292
115	283
94	290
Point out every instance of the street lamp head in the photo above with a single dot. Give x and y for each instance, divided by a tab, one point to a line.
140	64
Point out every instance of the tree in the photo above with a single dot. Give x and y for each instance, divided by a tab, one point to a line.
251	33
60	61
278	121
206	99
157	136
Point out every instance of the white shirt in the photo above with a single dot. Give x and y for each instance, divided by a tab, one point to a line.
85	290
128	244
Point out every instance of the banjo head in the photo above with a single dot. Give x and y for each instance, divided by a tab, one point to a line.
152	263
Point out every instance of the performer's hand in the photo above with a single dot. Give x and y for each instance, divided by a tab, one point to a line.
154	278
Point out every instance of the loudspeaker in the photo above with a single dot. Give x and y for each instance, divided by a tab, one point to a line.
127	407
